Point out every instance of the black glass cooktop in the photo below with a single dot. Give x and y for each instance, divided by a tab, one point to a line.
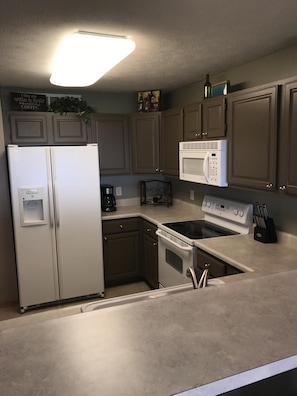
199	229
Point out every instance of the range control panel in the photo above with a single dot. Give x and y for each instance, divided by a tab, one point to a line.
237	212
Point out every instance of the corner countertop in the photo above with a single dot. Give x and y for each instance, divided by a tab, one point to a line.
198	342
157	213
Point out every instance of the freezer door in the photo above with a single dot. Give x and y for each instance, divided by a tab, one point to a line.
78	220
32	207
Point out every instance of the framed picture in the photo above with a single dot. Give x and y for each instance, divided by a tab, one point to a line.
219	89
148	101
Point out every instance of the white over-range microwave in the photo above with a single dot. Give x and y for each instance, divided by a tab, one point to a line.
204	162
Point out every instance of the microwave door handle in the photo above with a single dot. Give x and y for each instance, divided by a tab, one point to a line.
206	167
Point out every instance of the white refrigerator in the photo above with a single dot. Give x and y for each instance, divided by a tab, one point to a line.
55	195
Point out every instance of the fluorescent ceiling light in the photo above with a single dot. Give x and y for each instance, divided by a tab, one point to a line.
83	58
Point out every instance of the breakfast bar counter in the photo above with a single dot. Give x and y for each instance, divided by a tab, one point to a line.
196	339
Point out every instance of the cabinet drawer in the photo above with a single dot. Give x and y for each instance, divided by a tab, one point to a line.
121	225
149	228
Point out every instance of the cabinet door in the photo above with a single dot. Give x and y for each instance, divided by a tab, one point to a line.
111	133
252	137
121	244
218	268
288	143
214	118
145	142
29	128
121	257
150	251
171	135
193	122
150	254
69	129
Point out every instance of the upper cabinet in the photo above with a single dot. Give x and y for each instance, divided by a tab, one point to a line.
38	128
145	133
69	129
214	117
28	128
171	135
206	119
193	121
288	140
252	119
112	135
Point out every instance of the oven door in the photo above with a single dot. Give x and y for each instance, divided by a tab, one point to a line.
174	257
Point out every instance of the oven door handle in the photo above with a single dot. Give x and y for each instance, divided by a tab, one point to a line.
186	248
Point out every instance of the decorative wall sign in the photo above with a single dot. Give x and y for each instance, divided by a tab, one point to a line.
148	101
28	102
219	89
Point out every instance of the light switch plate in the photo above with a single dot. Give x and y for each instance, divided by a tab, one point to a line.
118	191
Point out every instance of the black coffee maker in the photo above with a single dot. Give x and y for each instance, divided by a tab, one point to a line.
108	202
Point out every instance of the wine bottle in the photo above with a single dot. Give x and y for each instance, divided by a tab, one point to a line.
207	88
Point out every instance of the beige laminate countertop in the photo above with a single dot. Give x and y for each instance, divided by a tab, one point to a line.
242	251
157	213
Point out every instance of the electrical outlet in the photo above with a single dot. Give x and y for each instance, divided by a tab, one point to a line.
118	191
192	194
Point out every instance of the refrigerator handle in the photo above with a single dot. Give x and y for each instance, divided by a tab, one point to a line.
56	200
52	219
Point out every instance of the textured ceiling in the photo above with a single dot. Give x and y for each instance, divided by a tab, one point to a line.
177	41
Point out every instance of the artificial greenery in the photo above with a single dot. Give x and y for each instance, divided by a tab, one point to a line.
68	104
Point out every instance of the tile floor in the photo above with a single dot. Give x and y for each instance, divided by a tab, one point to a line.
10	316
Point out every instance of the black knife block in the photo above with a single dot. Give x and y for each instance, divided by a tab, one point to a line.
265	234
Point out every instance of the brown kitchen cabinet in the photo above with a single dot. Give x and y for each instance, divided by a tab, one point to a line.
69	129
121	251
217	267
28	128
252	119
45	128
150	254
205	119
112	135
171	135
145	132
288	140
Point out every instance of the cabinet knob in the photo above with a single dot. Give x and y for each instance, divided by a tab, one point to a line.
105	239
283	188
197	134
148	230
269	185
204	133
121	226
155	244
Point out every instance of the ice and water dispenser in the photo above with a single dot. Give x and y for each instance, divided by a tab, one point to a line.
32	206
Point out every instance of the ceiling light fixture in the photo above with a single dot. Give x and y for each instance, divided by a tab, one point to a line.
84	58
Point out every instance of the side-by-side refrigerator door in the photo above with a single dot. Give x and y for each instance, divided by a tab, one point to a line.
33	219
78	220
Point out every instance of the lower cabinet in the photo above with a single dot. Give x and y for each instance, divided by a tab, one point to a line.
217	267
121	251
150	254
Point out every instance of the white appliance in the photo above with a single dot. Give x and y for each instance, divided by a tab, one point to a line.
55	195
204	162
176	250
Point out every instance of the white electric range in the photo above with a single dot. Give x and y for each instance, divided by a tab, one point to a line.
176	240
